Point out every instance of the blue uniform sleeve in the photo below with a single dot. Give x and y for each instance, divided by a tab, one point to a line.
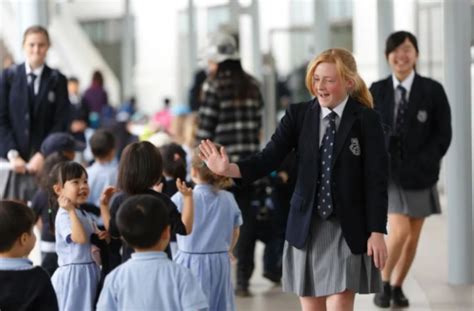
192	296
108	298
238	220
63	226
177	199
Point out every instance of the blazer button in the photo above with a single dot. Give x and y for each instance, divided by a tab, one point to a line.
26	132
27	117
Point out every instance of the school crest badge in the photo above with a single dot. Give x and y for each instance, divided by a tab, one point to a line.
51	96
422	116
355	147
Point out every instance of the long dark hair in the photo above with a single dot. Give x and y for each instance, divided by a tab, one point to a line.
244	86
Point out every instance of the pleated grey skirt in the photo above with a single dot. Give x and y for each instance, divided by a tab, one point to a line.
326	266
413	203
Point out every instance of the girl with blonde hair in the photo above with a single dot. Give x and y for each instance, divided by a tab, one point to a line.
334	244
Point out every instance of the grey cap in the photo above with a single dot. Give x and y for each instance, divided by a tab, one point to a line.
222	47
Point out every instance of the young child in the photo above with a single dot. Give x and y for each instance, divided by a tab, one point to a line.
140	170
149	280
57	147
77	278
174	168
103	172
338	212
22	286
208	249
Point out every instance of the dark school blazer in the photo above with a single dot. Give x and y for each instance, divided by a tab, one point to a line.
359	171
19	129
427	133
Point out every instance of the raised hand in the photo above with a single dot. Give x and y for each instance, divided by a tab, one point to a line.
183	188
106	195
216	160
66	203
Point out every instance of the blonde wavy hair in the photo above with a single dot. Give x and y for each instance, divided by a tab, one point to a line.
347	70
206	175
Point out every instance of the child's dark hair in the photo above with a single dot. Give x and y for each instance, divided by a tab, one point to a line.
102	142
174	161
141	220
15	219
397	38
140	167
206	175
60	174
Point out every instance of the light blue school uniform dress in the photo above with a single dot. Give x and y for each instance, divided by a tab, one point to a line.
205	250
75	281
150	281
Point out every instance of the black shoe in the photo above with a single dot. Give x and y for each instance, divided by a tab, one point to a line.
382	299
398	298
241	291
272	277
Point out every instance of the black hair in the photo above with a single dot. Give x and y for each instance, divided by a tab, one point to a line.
98	78
73	79
175	168
140	167
397	38
60	174
141	220
102	142
15	219
244	86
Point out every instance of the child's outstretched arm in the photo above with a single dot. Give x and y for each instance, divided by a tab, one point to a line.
187	214
78	234
104	205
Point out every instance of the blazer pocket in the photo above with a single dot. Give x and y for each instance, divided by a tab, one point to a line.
297	202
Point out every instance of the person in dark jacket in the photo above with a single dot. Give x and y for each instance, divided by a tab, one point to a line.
417	119
33	103
334	244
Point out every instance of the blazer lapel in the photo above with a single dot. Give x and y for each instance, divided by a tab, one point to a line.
44	86
348	118
22	85
389	102
416	97
313	126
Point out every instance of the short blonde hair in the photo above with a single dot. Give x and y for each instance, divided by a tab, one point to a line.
347	70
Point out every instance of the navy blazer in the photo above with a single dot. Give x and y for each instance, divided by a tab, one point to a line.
427	132
19	129
359	171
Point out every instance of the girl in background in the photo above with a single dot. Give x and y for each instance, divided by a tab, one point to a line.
416	112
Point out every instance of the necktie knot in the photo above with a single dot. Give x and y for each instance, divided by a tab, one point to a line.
32	76
403	91
332	116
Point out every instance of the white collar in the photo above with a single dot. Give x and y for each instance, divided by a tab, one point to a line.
407	83
339	109
38	71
